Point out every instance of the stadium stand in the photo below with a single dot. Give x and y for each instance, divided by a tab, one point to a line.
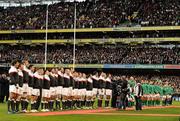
109	13
93	54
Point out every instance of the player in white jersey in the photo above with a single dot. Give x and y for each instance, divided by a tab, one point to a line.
31	84
20	88
59	87
36	90
52	89
108	93
89	92
45	92
65	92
26	96
95	79
13	86
101	90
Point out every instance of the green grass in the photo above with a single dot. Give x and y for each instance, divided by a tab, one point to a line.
20	117
153	111
175	103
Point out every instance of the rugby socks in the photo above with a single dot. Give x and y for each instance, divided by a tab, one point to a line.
63	104
22	105
46	105
69	104
26	104
58	105
99	103
17	106
74	104
42	105
82	104
13	106
51	104
92	103
32	105
87	104
78	104
106	103
9	105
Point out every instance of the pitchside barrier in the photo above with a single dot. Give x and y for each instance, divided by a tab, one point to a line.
84	41
136	28
106	66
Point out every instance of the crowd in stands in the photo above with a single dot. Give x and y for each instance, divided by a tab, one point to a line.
92	54
99	13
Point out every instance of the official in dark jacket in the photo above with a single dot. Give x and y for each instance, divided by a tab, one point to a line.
123	93
138	93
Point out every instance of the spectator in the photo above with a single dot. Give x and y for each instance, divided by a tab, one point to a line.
110	13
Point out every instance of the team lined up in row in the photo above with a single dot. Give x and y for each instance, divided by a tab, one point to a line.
46	87
153	92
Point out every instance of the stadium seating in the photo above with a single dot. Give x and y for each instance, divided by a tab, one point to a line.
122	54
92	14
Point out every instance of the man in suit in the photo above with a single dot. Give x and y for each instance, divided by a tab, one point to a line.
4	88
124	90
138	93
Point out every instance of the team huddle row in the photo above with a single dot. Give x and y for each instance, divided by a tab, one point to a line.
55	88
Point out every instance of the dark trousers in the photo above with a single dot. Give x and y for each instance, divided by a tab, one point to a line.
122	102
2	97
113	102
138	103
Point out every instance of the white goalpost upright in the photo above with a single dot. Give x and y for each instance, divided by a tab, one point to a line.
46	38
74	42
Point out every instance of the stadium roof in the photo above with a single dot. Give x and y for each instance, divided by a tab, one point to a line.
23	1
27	1
6	3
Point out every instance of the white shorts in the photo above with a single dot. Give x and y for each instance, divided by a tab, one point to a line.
59	90
12	89
169	96
83	92
30	91
101	91
89	93
19	90
45	93
70	91
95	91
52	91
25	88
65	91
163	97
75	92
108	92
79	92
36	92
